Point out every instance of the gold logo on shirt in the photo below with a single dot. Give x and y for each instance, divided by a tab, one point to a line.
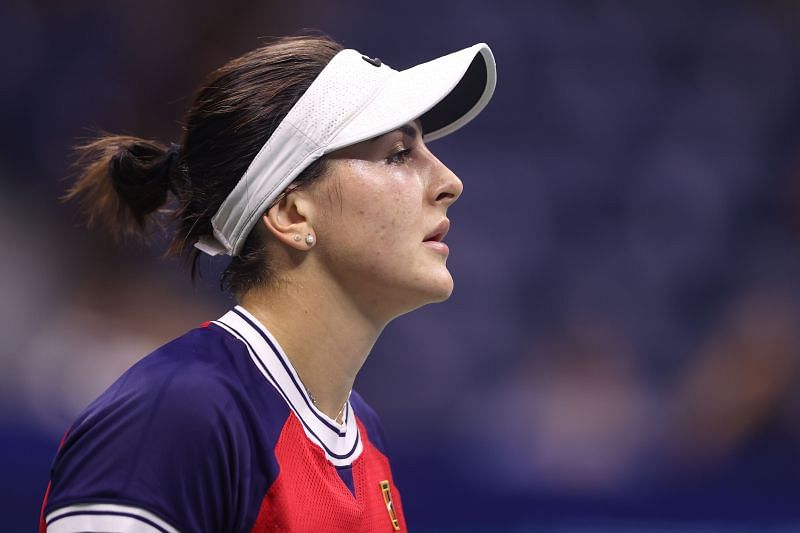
387	499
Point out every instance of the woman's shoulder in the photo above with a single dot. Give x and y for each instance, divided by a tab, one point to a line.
199	380
175	433
201	359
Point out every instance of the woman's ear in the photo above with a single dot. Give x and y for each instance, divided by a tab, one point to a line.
291	220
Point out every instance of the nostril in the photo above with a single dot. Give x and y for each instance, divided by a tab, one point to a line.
444	195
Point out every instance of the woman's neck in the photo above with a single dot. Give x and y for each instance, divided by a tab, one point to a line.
325	336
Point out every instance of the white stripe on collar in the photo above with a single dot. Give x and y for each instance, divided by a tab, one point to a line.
341	443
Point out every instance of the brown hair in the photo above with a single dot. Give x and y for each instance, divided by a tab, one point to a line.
124	180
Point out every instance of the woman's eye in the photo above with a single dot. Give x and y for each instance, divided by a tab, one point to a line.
398	157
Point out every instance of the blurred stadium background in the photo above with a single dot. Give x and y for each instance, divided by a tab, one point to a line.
623	347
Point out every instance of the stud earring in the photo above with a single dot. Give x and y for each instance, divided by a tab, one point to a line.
310	239
297	238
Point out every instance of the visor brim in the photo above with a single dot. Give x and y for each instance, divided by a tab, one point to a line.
444	94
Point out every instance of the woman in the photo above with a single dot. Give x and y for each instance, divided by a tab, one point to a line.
307	164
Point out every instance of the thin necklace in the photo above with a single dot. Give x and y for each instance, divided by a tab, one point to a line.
338	417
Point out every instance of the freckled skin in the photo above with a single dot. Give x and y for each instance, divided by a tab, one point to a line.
372	244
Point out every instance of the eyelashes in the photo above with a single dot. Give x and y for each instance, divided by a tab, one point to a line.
399	157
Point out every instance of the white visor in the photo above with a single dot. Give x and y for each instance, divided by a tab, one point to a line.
353	99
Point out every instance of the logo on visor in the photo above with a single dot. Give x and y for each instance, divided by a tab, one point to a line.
374	62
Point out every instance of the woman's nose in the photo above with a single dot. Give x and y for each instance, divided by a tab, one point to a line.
447	186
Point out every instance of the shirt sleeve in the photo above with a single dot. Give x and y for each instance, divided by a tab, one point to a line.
151	455
105	517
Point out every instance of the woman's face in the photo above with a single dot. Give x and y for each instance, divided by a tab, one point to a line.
384	215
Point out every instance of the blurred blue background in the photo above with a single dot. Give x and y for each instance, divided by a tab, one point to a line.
622	350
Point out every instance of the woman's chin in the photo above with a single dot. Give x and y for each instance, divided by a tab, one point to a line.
439	289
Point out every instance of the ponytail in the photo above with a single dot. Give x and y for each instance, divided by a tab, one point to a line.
123	182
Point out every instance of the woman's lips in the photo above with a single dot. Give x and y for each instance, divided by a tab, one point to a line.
437	246
438	232
434	239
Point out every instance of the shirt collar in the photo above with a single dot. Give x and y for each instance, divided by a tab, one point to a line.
341	443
